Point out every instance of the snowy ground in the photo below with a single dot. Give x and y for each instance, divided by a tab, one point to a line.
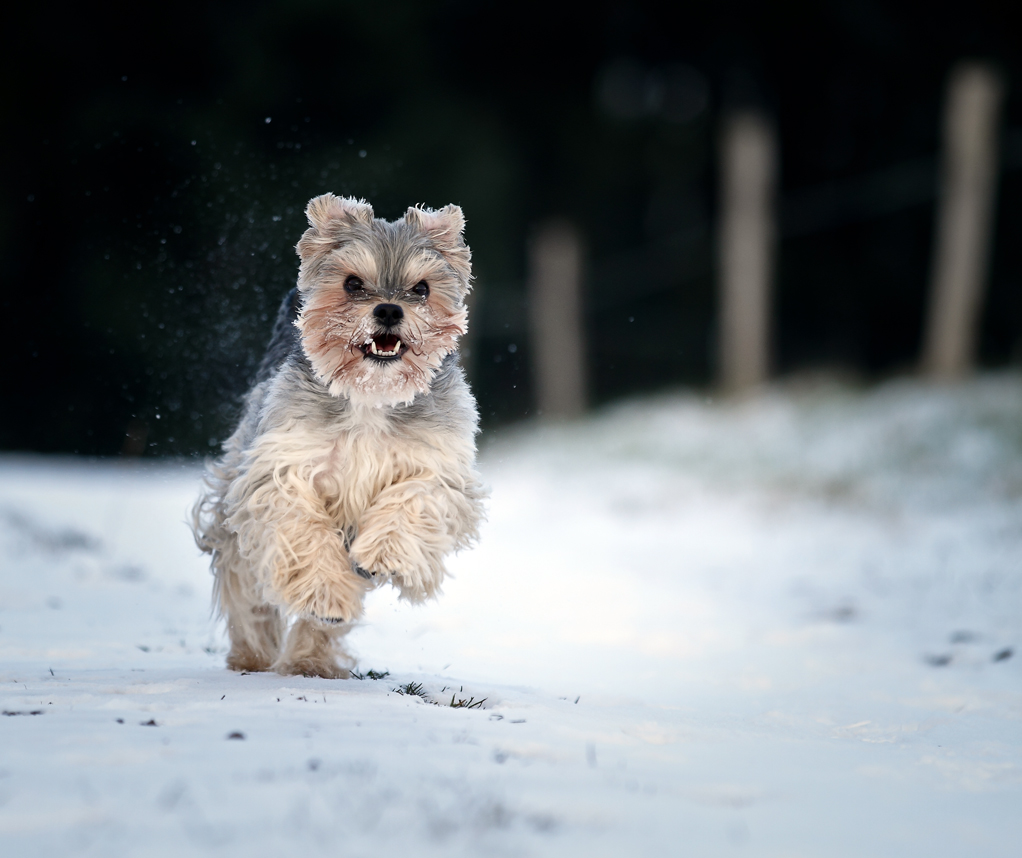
785	627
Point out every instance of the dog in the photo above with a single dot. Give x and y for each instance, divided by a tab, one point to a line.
353	463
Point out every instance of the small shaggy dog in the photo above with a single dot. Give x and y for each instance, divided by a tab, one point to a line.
354	461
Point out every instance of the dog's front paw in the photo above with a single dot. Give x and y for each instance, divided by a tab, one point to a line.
330	601
325	667
312	650
363	573
402	564
330	621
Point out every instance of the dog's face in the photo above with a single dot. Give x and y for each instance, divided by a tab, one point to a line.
383	302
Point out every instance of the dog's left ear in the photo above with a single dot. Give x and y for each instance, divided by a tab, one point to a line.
445	229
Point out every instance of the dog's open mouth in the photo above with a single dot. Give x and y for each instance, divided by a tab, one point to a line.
384	347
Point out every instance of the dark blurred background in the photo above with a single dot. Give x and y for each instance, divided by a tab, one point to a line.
156	162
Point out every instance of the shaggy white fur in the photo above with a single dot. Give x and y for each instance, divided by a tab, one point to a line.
347	470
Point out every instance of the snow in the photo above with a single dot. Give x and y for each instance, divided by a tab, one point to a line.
785	626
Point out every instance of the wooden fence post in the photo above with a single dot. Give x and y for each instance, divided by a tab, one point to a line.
964	220
556	320
745	249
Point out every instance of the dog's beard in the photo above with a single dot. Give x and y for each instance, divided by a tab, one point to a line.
336	334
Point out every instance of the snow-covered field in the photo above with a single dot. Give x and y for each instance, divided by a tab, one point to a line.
783	627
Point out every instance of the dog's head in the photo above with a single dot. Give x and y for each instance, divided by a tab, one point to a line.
383	302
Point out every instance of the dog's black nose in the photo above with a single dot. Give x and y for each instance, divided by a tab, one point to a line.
388	315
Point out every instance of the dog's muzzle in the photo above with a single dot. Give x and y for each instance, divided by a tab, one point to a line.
384	347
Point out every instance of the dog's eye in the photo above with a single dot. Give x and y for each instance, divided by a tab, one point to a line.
421	288
354	284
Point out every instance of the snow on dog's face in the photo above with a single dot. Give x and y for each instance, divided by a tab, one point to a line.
383	302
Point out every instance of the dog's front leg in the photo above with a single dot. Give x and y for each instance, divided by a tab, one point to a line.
311	571
407	531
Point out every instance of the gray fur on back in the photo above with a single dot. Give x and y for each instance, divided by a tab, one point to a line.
284	340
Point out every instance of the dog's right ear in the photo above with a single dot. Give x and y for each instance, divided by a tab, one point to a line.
329	217
327	211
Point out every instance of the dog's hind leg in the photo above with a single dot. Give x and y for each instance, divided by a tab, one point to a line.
313	649
255	628
255	638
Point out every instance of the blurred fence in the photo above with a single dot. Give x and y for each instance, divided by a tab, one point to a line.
964	220
556	316
746	238
751	219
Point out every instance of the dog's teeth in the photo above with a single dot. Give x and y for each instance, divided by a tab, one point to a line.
378	352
